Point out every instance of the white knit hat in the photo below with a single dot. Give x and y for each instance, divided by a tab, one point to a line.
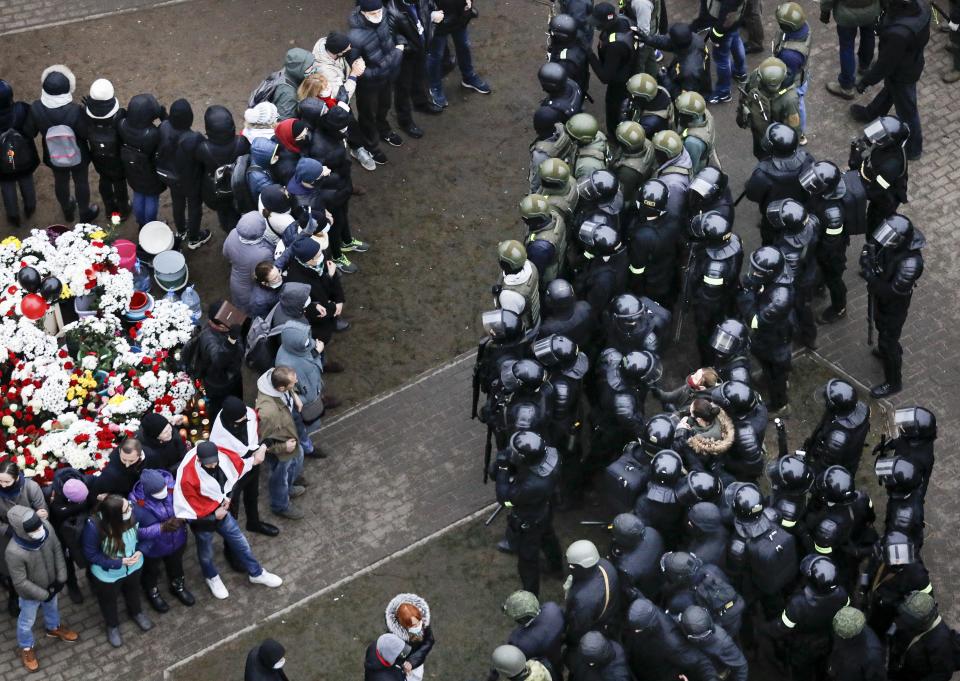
264	113
102	102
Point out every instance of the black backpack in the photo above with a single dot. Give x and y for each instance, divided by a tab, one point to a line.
70	532
261	342
718	596
624	479
773	560
266	89
104	141
243	200
17	153
190	356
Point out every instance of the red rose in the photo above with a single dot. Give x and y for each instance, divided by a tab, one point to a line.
68	365
62	353
11	289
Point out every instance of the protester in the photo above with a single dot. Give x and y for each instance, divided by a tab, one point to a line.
299	351
162	444
408	616
221	363
412	21
70	503
17	173
260	121
310	266
122	471
220	147
243	248
383	658
177	170
103	116
265	662
15	490
278	407
452	18
141	139
296	65
265	293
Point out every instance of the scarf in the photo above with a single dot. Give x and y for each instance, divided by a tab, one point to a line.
30	544
225	438
13	491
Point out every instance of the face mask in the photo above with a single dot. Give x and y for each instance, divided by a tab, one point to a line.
282	661
128	514
37	534
162	494
417	630
374	17
276	285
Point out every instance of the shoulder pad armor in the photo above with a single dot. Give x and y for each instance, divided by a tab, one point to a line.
908	272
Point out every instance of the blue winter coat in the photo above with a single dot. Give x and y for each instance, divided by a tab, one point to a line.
152	541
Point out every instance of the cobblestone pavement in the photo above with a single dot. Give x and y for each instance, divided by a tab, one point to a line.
22	15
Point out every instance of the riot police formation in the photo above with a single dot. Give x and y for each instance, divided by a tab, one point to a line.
716	549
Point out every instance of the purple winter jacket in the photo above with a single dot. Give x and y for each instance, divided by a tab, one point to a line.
152	541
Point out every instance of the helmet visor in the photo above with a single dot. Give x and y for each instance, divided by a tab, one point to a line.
884	470
885	235
702	187
543	351
723	342
494	323
905	418
899	554
876	133
810	181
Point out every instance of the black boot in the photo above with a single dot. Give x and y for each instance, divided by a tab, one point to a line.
90	213
263	528
178	589
156	600
70	211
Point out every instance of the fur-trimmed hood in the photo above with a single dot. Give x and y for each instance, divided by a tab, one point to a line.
393	624
53	100
711	446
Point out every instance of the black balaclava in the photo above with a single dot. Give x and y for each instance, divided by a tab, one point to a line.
181	115
233	410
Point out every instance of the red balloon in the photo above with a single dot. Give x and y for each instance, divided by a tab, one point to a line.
33	306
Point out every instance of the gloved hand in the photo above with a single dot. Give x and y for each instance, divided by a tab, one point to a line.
824	16
743	117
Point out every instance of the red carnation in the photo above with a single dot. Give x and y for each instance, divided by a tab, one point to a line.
11	289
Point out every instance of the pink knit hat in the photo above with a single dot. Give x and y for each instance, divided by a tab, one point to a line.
74	490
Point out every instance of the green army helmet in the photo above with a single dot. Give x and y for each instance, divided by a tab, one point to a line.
554	172
521	605
631	136
691	104
512	253
668	144
534	206
583	127
791	17
642	85
772	73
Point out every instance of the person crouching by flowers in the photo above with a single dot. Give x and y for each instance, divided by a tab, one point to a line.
110	547
161	537
15	490
408	617
39	572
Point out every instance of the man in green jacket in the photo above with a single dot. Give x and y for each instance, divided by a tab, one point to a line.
277	401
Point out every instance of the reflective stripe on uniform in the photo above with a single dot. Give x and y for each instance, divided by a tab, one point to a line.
712	281
753	322
822	549
788	523
588	255
927	589
563	53
787	622
613	38
637	270
833	231
882	182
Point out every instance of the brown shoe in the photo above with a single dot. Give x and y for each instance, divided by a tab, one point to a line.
63	634
837	90
29	659
951	76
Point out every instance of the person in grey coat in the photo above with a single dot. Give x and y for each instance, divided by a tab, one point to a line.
38	571
299	351
15	490
244	248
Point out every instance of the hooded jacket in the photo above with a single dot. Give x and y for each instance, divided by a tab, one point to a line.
861	658
335	70
222	361
58	110
263	299
176	153
296	64
375	43
259	174
325	290
165	455
261	660
24	492
141	139
244	248
290	307
299	352
328	147
33	566
660	651
287	154
706	445
277	424
15	115
420	646
707	536
375	670
220	147
404	16
152	539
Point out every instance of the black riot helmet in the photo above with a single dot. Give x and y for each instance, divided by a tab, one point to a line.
525	375
603	188
787	215
887	131
699	486
666	467
705	188
559	298
748	502
555	350
652	200
916	422
599	238
526	448
740	398
696	623
839	396
552	77
641	366
711	227
898	549
780	140
502	325
790	474
821	573
895	232
820	179
658	433
835	486
627	311
766	264
563	27
730	338
679	567
595	649
898	475
628	530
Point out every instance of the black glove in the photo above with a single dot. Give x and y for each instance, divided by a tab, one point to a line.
53	590
825	16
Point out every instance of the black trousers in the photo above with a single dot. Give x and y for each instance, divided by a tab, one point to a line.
114	195
752	22
531	539
410	89
832	264
340	230
228	217
151	568
249	488
903	98
889	320
216	396
613	103
806	322
27	190
777	373
107	594
187	212
373	105
81	186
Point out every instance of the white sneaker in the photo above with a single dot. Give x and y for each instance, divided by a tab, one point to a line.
364	157
267	579
217	588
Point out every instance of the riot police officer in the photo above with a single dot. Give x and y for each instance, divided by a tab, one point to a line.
635	551
526	478
890	578
539	630
674	170
503	340
633	159
635	323
767	301
513	664
916	433
658	506
790	482
518	288
565	49
710	639
560	189
879	157
695	126
604	274
564	315
552	141
617	415
857	652
593	593
525	399
653	239
730	344
796	238
711	279
546	242
600	192
904	505
689	581
690	67
839	520
648	104
744	460
710	191
600	659
657	649
839	437
767	99
792	47
777	176
841	212
625	479
614	59
705	535
563	92
904	30
580	11
891	263
590	145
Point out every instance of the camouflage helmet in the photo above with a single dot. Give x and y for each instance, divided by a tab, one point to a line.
919	606
791	17
848	622
554	171
668	143
513	253
691	103
772	73
521	604
583	127
534	206
630	135
642	85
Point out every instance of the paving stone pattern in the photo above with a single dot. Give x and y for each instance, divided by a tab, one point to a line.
20	15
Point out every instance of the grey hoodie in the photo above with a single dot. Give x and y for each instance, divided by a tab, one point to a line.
244	248
298	351
293	299
33	570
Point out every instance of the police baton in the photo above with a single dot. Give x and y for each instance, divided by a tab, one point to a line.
740	198
493	516
596	523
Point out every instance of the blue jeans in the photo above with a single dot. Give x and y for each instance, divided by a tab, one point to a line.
438	47
28	615
729	46
282	475
235	540
145	207
306	444
847	36
801	95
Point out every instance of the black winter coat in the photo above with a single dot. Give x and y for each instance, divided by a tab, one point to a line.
593	602
542	637
860	658
376	44
404	26
324	290
374	669
141	138
220	147
639	566
103	140
922	657
455	16
661	653
115	478
42	119
616	669
17	117
221	360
